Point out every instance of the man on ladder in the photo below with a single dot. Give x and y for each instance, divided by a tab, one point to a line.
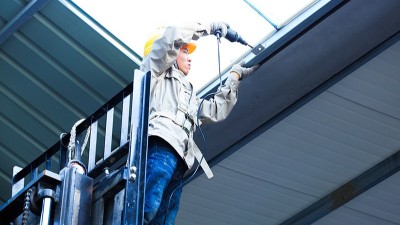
174	113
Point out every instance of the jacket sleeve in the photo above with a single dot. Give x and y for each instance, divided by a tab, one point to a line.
219	107
165	50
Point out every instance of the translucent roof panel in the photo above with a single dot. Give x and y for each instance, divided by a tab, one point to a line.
133	21
279	12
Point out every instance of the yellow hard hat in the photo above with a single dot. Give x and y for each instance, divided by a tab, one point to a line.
156	35
149	44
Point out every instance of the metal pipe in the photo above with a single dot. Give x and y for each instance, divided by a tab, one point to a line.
46	211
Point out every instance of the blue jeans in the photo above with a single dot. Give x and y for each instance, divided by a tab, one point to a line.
164	175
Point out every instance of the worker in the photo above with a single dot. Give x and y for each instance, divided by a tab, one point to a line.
173	114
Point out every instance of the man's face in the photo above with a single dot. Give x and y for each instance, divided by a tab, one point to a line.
184	60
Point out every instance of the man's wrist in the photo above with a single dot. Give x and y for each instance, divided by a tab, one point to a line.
235	75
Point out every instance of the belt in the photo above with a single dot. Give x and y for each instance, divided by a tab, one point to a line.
187	125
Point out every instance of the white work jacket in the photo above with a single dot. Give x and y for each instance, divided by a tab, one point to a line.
173	104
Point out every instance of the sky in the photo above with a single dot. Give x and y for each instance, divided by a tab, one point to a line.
132	22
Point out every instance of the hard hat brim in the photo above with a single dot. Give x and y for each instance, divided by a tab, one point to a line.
191	47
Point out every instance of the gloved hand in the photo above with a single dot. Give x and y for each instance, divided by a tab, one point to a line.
243	71
221	26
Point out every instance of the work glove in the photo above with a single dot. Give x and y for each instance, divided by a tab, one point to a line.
243	71
219	26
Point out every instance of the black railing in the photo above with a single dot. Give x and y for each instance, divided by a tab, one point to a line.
60	147
114	167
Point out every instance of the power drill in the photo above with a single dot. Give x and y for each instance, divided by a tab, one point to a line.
232	36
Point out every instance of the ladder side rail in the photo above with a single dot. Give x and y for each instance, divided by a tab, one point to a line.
136	164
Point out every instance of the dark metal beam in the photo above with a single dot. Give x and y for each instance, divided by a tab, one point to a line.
23	16
347	192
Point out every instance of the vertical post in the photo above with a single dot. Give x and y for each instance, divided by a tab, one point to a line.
125	120
48	162
75	196
46	211
136	166
34	173
19	185
109	131
92	146
63	154
119	199
78	147
97	214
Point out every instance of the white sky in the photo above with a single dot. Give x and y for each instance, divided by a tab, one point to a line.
132	22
